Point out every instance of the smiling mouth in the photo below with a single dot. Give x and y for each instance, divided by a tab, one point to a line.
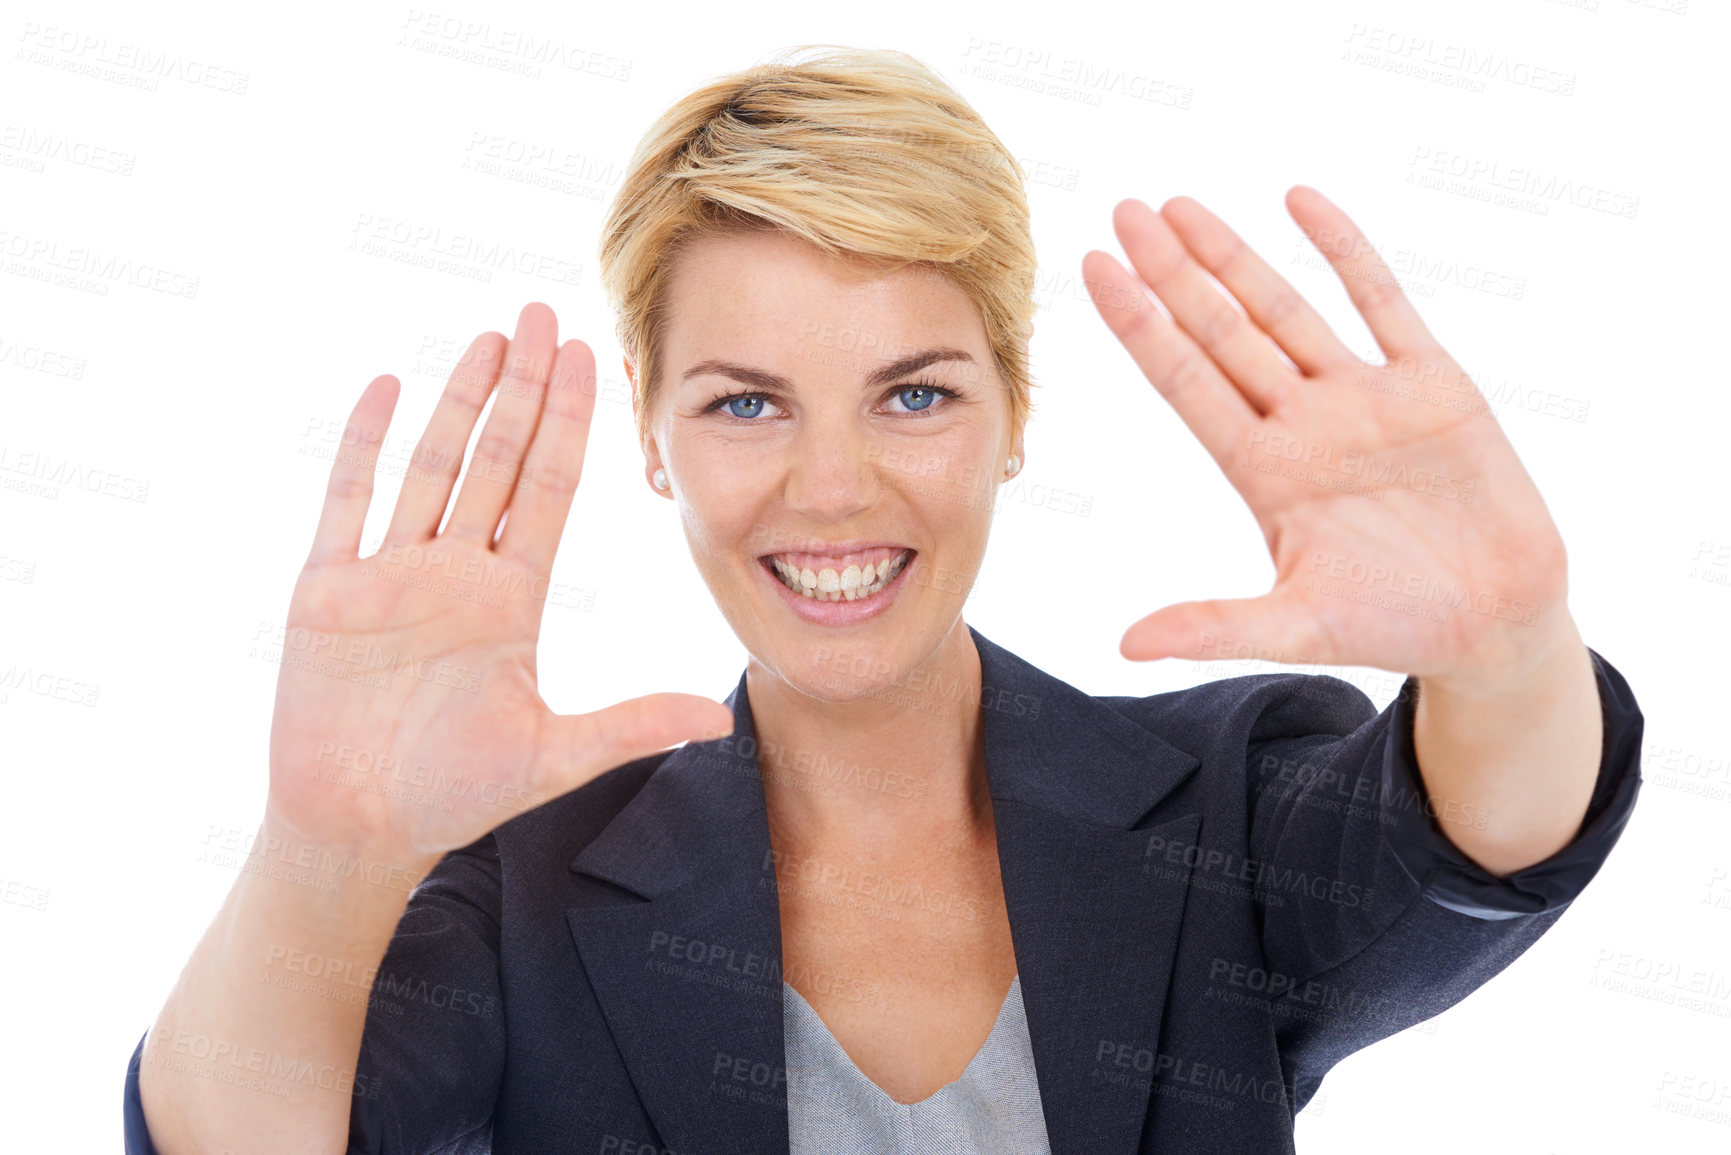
852	578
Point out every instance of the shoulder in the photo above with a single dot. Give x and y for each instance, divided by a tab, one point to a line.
1259	707
561	828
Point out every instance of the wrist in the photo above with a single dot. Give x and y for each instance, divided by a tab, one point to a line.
1550	655
352	865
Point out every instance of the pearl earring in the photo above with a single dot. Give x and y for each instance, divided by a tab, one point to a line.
1015	466
660	479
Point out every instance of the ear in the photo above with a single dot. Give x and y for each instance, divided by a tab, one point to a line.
636	410
652	462
651	451
631	376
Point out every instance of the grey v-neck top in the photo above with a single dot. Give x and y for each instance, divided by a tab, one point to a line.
833	1109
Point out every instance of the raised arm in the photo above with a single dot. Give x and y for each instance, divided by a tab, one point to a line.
1404	531
407	726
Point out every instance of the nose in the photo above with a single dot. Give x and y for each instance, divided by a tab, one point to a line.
832	477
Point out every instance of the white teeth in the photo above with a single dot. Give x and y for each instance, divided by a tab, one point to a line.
853	583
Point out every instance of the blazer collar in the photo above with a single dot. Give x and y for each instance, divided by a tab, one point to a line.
1094	932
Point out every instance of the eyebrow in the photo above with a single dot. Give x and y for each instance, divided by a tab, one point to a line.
764	379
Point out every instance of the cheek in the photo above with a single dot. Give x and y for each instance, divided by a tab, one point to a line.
721	500
949	477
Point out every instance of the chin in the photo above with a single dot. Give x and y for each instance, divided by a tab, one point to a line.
866	663
841	636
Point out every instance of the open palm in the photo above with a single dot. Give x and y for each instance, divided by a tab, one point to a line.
1405	533
407	715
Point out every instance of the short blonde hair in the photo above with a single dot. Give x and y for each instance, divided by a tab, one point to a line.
862	152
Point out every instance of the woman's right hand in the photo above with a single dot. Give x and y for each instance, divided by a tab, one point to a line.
407	716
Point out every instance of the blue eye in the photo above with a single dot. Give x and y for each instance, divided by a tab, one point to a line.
745	406
924	393
929	396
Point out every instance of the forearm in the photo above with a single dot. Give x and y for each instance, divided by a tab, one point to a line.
1518	750
239	1026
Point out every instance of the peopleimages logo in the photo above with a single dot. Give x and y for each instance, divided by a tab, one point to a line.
1453	65
1068	77
134	65
1489	178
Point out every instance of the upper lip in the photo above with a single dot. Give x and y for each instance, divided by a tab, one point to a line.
834	548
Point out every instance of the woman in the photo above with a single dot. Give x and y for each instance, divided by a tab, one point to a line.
907	892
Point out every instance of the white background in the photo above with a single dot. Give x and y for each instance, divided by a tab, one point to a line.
220	402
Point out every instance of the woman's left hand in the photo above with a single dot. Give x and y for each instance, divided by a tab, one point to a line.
1405	533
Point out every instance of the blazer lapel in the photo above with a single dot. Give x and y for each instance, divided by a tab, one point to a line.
1095	929
685	957
690	980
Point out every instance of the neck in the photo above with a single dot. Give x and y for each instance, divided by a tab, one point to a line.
893	770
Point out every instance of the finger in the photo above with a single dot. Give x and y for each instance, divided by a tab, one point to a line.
439	453
576	748
1243	354
493	467
555	462
1204	400
1270	627
350	488
1372	286
1273	304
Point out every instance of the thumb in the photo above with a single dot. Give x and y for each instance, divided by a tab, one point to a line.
579	747
1268	628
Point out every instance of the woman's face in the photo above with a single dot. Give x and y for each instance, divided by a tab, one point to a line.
823	423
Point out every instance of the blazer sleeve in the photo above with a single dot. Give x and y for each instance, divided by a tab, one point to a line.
433	1048
1372	919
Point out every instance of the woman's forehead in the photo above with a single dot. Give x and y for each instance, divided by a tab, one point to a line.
749	279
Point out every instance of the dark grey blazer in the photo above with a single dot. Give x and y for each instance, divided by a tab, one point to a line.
1214	894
